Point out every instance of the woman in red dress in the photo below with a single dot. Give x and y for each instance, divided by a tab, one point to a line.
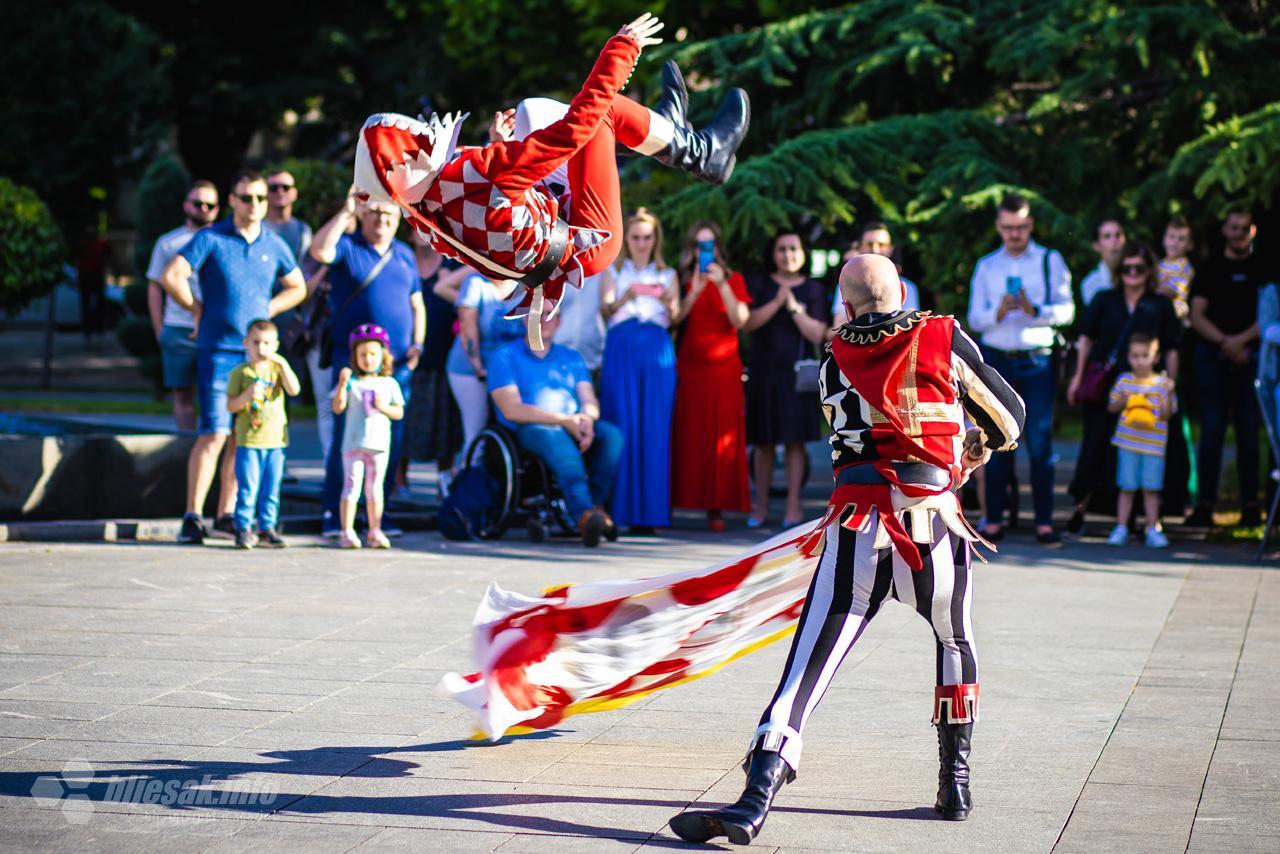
709	441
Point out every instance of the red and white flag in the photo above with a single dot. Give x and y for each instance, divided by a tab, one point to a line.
604	644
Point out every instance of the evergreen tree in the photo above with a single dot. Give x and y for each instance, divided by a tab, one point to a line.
924	113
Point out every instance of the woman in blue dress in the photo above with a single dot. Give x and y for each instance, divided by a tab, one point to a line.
638	297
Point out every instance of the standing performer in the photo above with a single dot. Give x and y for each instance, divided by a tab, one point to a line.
894	388
492	207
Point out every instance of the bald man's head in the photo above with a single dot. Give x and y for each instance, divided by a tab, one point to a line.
871	283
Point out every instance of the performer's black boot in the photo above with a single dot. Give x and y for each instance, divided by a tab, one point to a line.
741	821
709	153
674	104
954	801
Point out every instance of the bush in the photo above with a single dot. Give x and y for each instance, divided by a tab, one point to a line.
161	191
322	187
32	250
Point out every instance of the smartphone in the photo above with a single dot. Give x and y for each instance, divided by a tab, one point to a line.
647	290
1012	285
706	254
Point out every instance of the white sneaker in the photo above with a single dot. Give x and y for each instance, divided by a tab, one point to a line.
1156	539
443	482
1119	536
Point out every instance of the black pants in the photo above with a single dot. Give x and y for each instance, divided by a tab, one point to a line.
850	584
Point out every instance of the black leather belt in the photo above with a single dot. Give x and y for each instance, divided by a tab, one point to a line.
921	473
556	247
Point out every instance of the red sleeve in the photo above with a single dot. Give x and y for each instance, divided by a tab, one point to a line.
514	166
739	287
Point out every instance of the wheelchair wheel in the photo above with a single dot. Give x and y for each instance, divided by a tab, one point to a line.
494	452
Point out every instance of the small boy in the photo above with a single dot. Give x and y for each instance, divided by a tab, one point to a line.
1145	401
1174	272
255	394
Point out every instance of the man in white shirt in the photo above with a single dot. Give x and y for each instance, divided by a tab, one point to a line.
1108	242
875	240
174	326
1018	294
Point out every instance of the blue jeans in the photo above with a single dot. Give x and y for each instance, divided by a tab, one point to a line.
584	479
333	470
1226	393
1032	378
259	473
213	369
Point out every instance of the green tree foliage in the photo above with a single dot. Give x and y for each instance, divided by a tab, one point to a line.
161	191
83	88
322	186
32	250
924	113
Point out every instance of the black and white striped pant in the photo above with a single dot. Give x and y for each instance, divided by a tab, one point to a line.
851	583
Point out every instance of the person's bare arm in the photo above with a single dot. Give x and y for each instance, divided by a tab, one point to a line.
449	284
293	290
608	290
734	309
175	282
394	411
587	402
238	402
288	379
1116	402
155	306
469	332
339	404
761	315
1083	345
324	245
414	353
810	327
1201	323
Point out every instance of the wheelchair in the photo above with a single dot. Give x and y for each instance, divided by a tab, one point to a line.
527	491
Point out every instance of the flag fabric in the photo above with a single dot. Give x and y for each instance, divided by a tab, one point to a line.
604	644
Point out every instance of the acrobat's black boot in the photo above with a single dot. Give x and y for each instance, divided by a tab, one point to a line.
741	821
708	154
674	103
954	801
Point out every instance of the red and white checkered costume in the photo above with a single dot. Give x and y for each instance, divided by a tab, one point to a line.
487	206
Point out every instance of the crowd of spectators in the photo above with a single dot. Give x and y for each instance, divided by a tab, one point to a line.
639	401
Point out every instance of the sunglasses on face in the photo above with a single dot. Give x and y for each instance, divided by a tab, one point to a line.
1133	269
251	198
279	188
202	205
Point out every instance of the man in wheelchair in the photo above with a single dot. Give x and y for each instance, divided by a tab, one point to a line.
545	397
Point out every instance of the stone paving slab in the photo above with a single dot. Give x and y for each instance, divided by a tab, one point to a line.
1128	705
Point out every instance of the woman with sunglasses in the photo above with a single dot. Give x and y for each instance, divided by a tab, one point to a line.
1131	305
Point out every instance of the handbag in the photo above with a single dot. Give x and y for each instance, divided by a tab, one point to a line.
1097	377
807	372
326	332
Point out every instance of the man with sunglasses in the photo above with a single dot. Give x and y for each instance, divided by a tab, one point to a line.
1018	295
175	327
239	263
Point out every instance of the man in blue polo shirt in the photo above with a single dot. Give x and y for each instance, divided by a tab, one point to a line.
239	263
373	278
546	397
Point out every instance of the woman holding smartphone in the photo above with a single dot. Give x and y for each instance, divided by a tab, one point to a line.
709	458
638	298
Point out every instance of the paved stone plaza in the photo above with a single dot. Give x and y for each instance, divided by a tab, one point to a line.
1128	704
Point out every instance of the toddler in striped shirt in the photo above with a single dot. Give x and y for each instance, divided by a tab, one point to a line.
1145	401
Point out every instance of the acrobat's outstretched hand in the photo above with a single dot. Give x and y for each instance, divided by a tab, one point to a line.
643	30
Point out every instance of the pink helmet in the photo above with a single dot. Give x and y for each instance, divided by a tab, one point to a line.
368	332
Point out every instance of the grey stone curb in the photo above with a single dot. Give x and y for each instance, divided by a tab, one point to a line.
159	530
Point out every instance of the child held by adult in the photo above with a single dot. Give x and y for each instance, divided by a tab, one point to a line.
255	395
1146	401
1175	271
374	400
